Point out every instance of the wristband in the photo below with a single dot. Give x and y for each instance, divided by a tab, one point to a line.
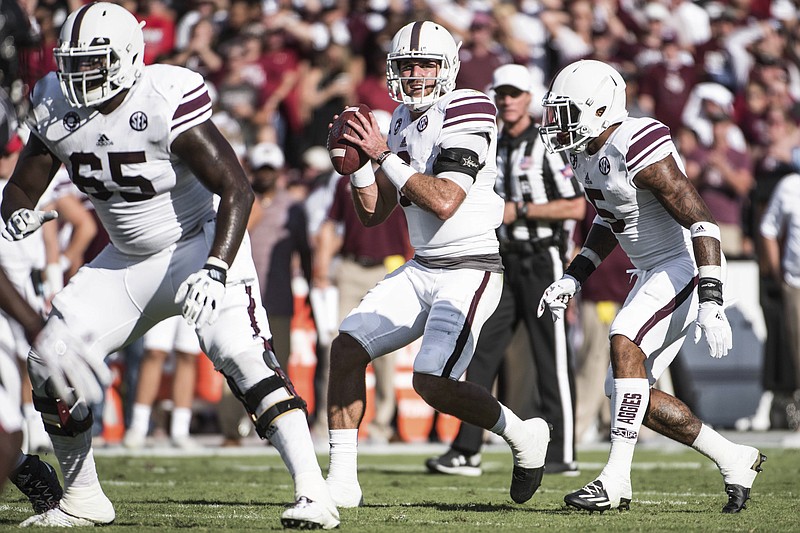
705	229
710	290
583	265
396	170
363	177
217	269
710	271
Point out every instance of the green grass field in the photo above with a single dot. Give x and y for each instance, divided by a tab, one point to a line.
673	491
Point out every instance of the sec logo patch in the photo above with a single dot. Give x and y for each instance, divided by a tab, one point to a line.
138	121
605	166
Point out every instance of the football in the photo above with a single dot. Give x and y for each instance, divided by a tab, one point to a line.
345	156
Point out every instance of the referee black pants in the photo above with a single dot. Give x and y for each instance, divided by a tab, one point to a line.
526	277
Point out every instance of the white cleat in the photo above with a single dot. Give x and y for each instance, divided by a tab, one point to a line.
57	518
346	495
185	443
308	514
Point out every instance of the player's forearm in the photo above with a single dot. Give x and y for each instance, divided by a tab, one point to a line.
17	308
232	216
601	240
439	196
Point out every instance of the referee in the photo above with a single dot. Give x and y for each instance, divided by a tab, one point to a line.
543	200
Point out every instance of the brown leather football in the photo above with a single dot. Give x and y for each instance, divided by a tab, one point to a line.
345	156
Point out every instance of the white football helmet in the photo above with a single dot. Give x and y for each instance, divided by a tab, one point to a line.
584	99
100	52
422	40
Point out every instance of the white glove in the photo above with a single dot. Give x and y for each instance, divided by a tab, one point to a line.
202	295
558	295
69	364
23	222
711	319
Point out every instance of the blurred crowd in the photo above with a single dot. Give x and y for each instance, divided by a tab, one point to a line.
723	75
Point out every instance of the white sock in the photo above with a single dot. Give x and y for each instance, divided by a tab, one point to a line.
140	419
344	454
628	405
75	453
511	428
293	441
181	420
714	446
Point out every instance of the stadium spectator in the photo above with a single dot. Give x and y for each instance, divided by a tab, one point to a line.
200	53
480	54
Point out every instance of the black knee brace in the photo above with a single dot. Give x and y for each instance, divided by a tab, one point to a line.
252	398
58	419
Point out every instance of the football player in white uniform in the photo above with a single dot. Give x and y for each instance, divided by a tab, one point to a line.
634	177
439	165
138	141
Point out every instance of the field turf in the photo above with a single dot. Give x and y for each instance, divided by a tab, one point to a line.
672	491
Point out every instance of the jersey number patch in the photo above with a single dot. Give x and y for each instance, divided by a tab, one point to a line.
136	188
617	226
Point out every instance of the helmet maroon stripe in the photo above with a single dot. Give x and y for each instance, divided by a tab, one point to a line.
76	27
415	31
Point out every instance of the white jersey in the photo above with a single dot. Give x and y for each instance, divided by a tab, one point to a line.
146	198
782	219
644	229
471	230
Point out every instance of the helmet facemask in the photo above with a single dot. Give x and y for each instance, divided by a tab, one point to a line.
88	76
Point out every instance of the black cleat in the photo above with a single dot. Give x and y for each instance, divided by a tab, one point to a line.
593	497
737	494
38	481
737	498
455	462
524	482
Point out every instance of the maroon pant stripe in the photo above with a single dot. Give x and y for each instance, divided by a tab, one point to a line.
666	310
465	330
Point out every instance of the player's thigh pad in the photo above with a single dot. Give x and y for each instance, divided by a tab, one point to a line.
10	394
463	300
393	313
106	300
237	341
658	313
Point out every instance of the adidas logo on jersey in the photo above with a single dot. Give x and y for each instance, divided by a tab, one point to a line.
103	140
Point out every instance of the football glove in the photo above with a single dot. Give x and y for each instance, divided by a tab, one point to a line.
23	222
712	321
69	364
557	296
202	294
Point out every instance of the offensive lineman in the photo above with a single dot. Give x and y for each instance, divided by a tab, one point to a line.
439	165
634	177
139	142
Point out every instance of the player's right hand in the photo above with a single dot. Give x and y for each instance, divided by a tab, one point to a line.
69	364
557	296
23	222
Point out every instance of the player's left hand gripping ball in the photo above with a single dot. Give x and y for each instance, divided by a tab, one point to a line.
202	293
712	321
23	222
